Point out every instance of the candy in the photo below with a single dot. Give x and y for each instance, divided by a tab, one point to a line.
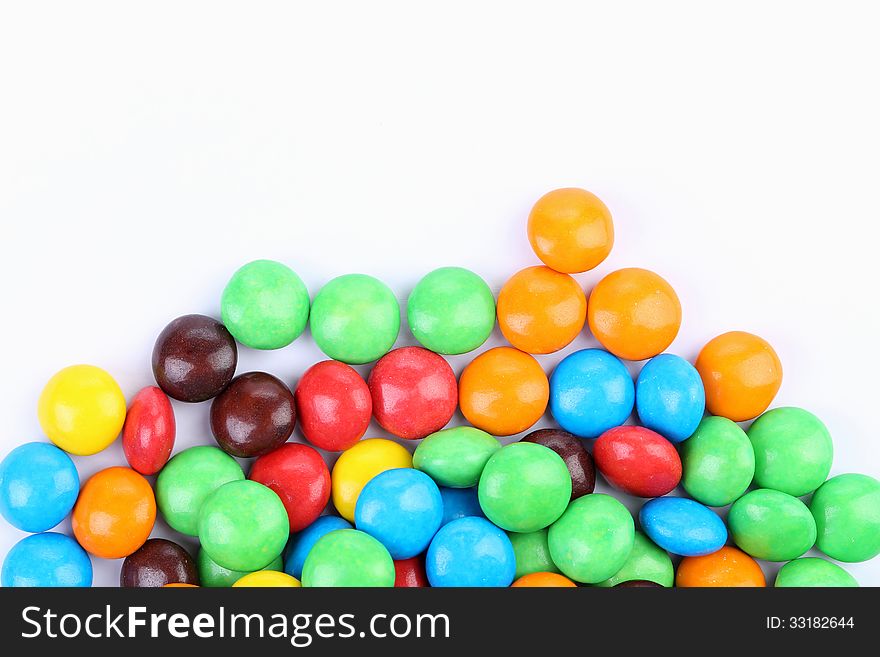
460	503
793	451
638	584
265	305
637	461
38	487
524	487
682	526
847	513
333	405
253	416
543	580
451	311
455	457
299	476
414	392
267	579
571	230
355	318
348	557
771	525
532	553
718	462
669	397
212	574
243	525
179	585
410	573
149	431
156	563
503	391
470	552
48	559
114	514
812	572
187	480
576	458
725	568
646	562
301	543
540	310
741	375
81	409
357	465
634	313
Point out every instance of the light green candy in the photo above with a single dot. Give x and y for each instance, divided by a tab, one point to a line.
771	525
348	557
647	561
532	553
847	513
813	572
717	461
213	575
455	457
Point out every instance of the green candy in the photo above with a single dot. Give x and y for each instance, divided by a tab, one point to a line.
243	526
718	462
847	513
348	557
771	525
355	319
213	575
524	487
265	305
455	457
532	553
451	311
187	480
793	451
812	572
593	539
647	562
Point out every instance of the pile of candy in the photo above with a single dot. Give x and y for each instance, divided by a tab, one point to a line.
461	509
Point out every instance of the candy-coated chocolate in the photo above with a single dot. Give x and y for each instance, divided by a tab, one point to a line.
414	392
718	462
571	230
593	538
187	480
576	458
813	572
669	397
646	562
847	513
532	553
638	584
149	431
267	579
355	318
299	476
503	391
114	514
682	526
543	580
460	503
591	391
333	405
44	560
470	552
213	575
741	375
265	305
540	310
524	487
38	487
456	456
771	525
728	567
358	464
81	409
410	573
637	461
793	451
634	313
302	542
179	585
348	557
156	563
194	358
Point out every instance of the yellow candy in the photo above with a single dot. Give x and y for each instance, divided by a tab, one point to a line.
82	409
267	579
358	464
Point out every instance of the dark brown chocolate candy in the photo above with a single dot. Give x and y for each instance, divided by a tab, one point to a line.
638	584
570	448
156	563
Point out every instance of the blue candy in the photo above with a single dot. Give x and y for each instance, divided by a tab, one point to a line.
38	487
460	503
670	398
470	552
682	526
47	560
591	391
302	542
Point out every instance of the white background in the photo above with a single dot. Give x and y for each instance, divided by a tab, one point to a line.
148	150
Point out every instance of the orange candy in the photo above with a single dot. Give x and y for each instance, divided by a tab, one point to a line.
634	313
571	230
179	585
503	391
545	580
114	514
727	567
741	374
541	310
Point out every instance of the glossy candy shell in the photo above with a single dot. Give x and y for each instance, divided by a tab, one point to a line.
46	560
347	557
718	462
637	461
301	543
669	397
156	563
470	552
571	450
682	526
357	465
771	525
847	513
39	485
456	456
149	431
333	405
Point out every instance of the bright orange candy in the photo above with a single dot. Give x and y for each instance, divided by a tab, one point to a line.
114	514
727	567
179	585
545	580
571	230
634	313
741	374
540	310
503	391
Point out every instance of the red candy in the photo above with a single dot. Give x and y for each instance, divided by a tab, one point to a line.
414	392
299	476
638	461
410	573
149	431
334	405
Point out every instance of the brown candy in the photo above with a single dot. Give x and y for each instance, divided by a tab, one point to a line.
577	459
156	563
638	584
